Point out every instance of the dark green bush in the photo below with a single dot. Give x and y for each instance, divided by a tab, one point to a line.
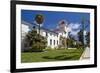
35	41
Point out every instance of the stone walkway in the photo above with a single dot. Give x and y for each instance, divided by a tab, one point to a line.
86	54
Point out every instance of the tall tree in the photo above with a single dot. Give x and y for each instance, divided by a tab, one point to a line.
84	26
88	39
80	44
80	37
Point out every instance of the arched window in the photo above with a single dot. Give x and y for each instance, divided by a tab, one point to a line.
46	34
57	42
50	41
54	42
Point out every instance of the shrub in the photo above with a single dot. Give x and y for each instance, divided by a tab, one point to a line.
48	48
35	41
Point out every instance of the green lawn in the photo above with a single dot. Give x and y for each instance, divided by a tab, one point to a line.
52	55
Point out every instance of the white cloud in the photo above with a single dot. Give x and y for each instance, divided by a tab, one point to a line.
74	32
74	28
74	25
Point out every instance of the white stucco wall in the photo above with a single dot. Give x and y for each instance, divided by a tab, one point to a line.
25	28
50	36
24	31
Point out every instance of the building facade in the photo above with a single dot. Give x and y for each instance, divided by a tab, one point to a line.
53	36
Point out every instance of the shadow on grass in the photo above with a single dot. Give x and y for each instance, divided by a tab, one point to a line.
62	57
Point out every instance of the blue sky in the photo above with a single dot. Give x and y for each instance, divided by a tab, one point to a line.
52	18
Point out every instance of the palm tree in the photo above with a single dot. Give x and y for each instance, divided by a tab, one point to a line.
39	20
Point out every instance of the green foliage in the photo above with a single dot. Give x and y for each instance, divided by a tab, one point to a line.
80	36
35	41
79	45
48	48
88	39
39	18
63	42
70	43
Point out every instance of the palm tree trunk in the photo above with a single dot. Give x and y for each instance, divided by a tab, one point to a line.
39	35
39	29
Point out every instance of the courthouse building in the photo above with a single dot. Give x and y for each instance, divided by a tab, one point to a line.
53	36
